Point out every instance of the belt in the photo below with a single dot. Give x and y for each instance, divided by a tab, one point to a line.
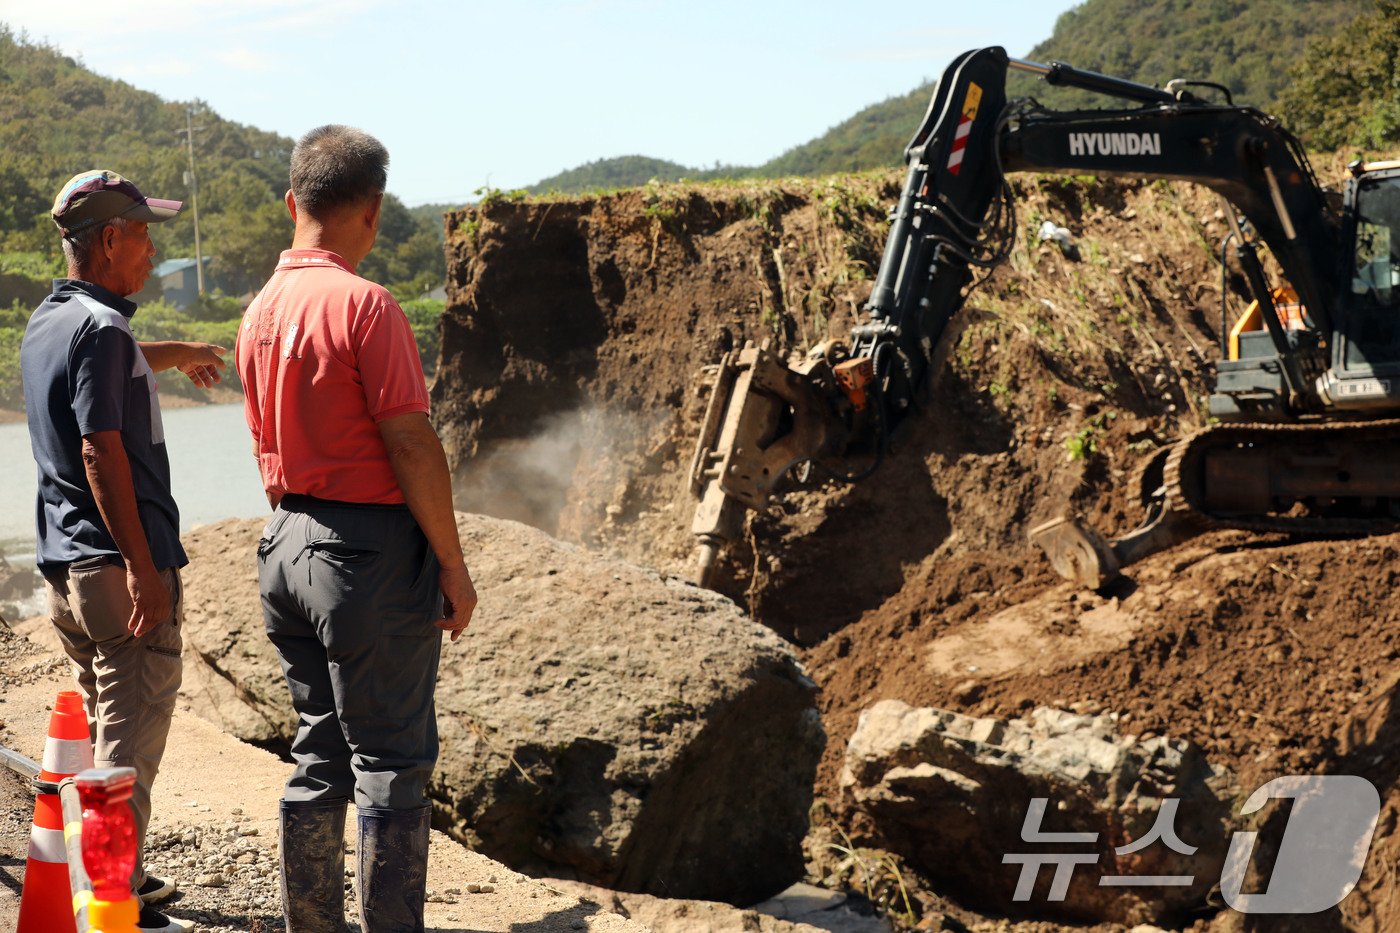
296	502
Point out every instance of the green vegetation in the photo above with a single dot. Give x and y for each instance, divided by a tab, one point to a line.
423	316
621	172
1328	67
212	319
429	217
1246	45
1084	444
1343	91
12	320
873	138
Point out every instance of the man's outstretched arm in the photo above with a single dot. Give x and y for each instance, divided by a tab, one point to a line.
201	362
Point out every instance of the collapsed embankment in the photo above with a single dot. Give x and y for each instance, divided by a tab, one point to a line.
571	382
570	391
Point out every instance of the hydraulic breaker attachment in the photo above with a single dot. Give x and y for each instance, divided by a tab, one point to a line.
763	418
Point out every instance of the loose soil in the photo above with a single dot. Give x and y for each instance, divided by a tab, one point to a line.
571	388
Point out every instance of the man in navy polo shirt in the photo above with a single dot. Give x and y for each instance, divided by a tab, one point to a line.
108	528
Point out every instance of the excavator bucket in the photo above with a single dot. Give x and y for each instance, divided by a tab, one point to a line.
1077	552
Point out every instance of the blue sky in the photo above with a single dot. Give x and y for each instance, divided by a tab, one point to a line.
471	94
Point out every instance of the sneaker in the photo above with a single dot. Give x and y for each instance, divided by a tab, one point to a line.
154	890
153	921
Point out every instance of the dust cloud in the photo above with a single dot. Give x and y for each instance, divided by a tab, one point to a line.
531	479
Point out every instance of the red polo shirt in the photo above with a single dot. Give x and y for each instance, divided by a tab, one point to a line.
324	356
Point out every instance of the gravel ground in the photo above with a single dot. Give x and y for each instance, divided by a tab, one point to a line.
226	871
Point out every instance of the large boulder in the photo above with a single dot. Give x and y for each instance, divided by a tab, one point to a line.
952	794
597	720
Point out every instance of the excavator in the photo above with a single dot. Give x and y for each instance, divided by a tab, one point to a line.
1302	435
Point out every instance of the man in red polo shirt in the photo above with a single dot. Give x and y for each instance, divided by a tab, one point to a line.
361	559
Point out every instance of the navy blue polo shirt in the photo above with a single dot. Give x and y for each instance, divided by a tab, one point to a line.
84	373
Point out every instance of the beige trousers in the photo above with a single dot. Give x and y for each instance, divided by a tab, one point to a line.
128	683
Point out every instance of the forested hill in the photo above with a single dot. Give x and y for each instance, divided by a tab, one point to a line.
618	172
1259	49
1250	46
57	118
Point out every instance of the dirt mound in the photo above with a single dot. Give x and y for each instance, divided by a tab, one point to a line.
576	333
1275	658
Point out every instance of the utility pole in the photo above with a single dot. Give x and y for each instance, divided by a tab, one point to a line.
193	183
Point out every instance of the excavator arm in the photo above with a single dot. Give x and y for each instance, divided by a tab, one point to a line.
766	416
955	217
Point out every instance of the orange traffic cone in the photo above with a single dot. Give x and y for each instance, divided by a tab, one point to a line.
46	905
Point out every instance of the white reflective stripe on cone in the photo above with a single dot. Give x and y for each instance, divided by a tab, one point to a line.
46	845
67	756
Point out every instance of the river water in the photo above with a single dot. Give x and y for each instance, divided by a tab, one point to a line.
211	466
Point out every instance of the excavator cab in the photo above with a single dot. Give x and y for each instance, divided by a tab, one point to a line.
1366	353
1337	470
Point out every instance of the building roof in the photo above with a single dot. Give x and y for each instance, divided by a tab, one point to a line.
175	265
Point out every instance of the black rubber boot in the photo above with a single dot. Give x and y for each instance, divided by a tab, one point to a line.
313	865
393	869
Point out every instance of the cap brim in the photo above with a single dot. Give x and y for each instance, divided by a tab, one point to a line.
154	211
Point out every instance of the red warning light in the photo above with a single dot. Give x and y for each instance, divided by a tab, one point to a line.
109	831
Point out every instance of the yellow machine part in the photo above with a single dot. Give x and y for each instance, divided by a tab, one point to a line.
1290	312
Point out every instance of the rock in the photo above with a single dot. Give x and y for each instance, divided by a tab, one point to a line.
597	720
228	679
932	782
800	909
806	905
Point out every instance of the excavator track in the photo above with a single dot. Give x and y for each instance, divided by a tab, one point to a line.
1321	480
1148	475
1324	479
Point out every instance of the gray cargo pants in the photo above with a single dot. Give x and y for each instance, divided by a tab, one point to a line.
128	684
349	595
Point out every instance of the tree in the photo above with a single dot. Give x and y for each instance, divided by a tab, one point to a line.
1346	89
244	245
23	211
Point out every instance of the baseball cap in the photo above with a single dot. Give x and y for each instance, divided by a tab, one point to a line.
97	196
